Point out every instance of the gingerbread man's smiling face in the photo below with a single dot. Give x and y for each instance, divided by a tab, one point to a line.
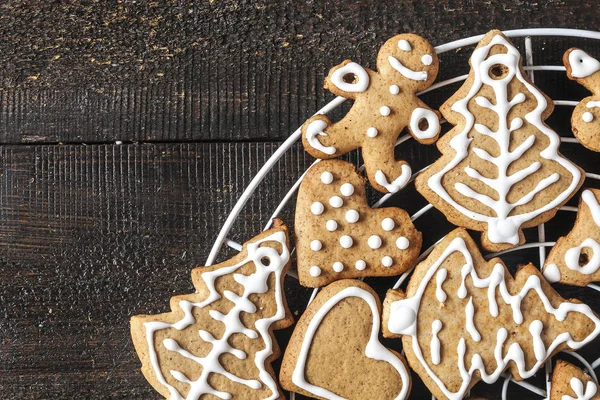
409	60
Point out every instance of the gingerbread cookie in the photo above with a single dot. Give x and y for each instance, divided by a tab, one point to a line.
335	353
464	319
571	383
339	236
500	169
585	120
385	103
575	258
219	341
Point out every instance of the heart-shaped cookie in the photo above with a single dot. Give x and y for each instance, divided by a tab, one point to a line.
339	236
335	352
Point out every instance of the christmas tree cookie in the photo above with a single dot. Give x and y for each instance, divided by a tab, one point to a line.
219	341
339	236
385	103
464	319
500	169
571	383
575	258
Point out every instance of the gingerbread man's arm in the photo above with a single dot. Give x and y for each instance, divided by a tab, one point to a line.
583	68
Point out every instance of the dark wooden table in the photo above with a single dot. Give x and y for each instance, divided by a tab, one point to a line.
130	128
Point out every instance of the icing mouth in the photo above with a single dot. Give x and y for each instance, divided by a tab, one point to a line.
407	72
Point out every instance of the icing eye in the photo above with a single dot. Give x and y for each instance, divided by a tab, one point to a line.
427	59
498	71
404	45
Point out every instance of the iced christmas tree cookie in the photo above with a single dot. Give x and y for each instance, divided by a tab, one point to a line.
385	103
464	319
339	236
335	353
585	120
500	169
575	258
571	383
219	341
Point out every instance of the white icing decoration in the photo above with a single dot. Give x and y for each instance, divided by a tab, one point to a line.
360	265
552	273
327	177
434	347
347	189
582	64
314	271
336	201
404	45
440	277
403	321
504	227
577	386
387	261
385	111
346	241
372	132
397	183
374	349
338	266
469	323
316	245
427	59
331	225
402	243
255	283
407	72
317	208
539	350
387	224
374	242
314	129
593	104
587	116
433	123
352	68
394	89
352	216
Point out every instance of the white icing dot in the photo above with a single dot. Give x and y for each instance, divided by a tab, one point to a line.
394	89
372	132
352	216
427	59
338	266
317	208
314	271
387	261
587	116
360	265
316	245
374	242
327	177
336	201
346	241
402	243
331	225
347	189
388	224
404	45
385	111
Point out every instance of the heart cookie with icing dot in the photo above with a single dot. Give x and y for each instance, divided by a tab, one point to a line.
571	383
335	353
339	236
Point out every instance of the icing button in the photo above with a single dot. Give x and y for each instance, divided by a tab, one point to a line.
331	225
387	261
316	245
315	271
587	116
327	177
394	89
374	242
338	266
346	241
402	243
360	265
388	224
336	201
372	132
385	111
347	189
352	216
317	208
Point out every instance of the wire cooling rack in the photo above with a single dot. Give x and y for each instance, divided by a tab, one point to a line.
520	36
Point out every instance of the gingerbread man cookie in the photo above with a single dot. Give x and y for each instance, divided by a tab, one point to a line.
571	383
585	120
385	103
339	236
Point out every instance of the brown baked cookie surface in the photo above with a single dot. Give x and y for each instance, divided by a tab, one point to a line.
500	169
219	341
571	383
585	121
335	351
575	258
339	236
385	103
465	319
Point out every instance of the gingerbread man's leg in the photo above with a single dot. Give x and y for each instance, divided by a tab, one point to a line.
384	171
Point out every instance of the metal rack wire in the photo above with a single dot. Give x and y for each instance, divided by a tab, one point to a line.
541	244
